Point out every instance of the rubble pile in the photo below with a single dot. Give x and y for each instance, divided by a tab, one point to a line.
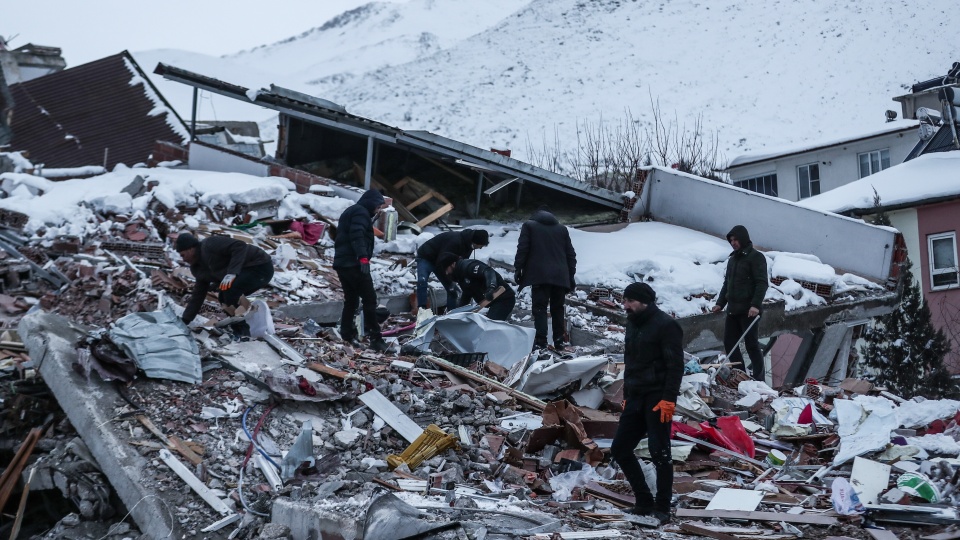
458	431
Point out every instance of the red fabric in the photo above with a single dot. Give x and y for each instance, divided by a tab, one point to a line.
716	437
733	430
310	233
806	415
680	427
935	427
364	260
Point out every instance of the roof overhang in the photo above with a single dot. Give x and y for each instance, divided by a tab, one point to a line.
330	115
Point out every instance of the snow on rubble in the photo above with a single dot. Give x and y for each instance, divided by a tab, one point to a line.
685	267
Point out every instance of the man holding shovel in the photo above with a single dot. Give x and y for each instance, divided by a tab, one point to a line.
744	287
479	283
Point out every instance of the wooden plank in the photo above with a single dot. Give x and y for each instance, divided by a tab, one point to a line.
693	529
185	450
435	216
153	429
525	399
808	519
458	174
421	200
619	499
327	370
202	490
11	475
394	417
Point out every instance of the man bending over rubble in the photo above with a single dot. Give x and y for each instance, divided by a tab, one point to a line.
233	266
460	243
479	283
653	356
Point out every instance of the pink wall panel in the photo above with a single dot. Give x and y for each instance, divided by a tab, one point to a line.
944	304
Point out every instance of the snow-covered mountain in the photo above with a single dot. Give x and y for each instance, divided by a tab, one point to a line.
502	72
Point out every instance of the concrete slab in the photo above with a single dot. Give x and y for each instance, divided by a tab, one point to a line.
50	340
308	521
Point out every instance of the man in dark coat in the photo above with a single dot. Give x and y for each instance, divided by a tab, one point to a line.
744	287
479	282
547	262
460	243
653	357
352	251
233	266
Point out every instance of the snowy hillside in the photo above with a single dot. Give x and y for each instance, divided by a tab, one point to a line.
762	72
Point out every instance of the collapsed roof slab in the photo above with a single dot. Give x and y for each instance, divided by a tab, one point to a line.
848	245
50	340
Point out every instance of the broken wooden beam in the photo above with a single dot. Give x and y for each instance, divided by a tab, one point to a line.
807	519
525	399
702	531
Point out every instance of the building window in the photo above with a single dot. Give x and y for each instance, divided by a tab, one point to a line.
808	177
766	184
873	162
943	260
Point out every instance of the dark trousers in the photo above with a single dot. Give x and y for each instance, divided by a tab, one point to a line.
502	306
250	280
357	287
735	327
639	420
542	295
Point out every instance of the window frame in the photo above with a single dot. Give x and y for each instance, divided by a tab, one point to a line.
955	270
810	192
758	181
869	155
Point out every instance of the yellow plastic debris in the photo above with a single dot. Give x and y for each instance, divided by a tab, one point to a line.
431	442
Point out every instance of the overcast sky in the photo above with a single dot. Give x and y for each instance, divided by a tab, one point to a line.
90	29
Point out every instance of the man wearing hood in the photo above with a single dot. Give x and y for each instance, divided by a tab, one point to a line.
653	360
547	262
479	282
744	287
352	251
234	267
461	243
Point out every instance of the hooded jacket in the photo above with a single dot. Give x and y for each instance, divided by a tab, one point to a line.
475	279
745	280
545	254
456	242
652	354
218	256
355	231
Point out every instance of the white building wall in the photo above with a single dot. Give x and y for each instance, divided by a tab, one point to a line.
839	165
204	158
906	222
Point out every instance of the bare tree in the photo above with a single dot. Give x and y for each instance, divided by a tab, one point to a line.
609	154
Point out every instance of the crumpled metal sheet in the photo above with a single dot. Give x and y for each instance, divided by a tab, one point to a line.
505	343
161	345
300	452
548	375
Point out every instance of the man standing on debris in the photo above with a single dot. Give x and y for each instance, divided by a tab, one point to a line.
460	243
352	251
234	267
479	283
547	262
653	357
744	287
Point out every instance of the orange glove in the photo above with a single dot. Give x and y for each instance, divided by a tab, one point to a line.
666	409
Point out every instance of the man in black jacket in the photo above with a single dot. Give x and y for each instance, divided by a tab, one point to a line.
479	282
233	266
352	251
744	287
547	262
653	359
460	243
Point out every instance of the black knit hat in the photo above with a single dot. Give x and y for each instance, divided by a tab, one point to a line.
445	259
640	292
481	237
185	241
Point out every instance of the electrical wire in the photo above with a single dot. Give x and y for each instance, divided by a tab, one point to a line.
243	501
243	424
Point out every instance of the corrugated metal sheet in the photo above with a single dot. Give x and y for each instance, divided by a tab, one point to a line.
69	118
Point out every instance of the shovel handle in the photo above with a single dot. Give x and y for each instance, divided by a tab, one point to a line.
496	294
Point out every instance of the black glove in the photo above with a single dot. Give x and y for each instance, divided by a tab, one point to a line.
488	296
517	276
365	266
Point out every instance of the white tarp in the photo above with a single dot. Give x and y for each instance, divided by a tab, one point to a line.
504	343
862	431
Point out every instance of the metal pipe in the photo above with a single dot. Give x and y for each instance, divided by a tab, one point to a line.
193	116
479	193
368	171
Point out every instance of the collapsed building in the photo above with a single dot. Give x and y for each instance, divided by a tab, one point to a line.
464	434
